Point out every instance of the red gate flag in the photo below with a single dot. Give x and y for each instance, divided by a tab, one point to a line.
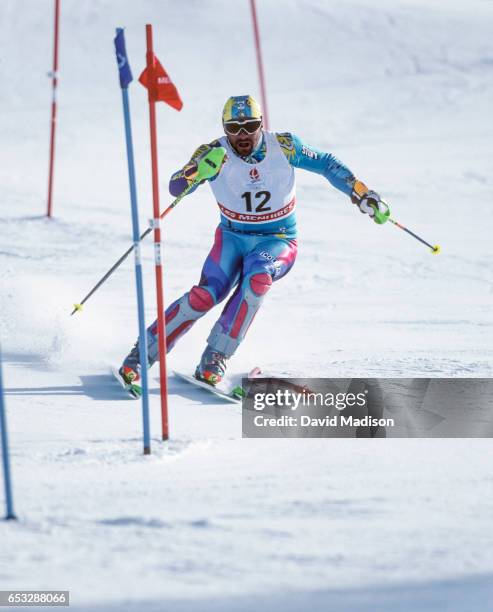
159	85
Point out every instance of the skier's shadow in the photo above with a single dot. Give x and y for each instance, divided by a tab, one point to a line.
101	387
97	387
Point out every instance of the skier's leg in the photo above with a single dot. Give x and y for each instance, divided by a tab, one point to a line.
269	261
220	272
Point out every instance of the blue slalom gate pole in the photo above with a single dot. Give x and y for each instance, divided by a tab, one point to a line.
9	502
126	78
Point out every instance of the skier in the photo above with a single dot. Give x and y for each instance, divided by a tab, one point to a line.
255	241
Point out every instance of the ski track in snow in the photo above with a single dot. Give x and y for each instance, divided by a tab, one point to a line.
402	93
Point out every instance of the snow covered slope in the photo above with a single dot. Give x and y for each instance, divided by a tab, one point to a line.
401	91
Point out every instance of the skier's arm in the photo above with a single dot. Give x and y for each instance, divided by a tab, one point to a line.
181	179
301	155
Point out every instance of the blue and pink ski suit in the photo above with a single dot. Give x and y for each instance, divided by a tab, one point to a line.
255	241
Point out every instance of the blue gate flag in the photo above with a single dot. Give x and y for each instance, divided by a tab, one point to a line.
124	75
122	60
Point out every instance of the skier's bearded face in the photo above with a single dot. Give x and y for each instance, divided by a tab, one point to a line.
247	135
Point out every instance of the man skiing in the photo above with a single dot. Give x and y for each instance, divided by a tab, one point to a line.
255	241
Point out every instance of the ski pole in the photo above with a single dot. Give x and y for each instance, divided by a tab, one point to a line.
207	168
79	305
435	249
382	216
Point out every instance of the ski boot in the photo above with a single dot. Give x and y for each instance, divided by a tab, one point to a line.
212	367
130	372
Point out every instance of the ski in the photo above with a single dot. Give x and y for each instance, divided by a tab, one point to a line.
132	390
231	392
217	391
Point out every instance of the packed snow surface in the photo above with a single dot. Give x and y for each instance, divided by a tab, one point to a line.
401	91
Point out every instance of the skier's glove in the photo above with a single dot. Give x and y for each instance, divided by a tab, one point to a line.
370	203
191	170
210	165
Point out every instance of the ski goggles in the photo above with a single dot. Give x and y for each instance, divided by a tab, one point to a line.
250	126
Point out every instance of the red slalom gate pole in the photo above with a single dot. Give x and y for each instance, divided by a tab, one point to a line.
54	84
260	64
152	95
